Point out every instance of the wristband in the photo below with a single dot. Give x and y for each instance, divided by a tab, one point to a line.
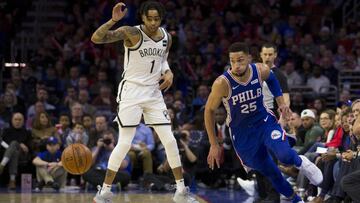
114	20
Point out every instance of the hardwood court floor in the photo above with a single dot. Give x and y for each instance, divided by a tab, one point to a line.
84	198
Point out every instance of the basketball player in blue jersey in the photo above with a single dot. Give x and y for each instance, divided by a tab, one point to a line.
253	128
139	93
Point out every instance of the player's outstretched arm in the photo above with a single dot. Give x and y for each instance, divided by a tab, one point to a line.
274	86
218	91
103	34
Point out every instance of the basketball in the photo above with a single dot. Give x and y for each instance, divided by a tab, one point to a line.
76	159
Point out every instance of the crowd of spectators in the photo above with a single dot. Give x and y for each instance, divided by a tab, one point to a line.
67	92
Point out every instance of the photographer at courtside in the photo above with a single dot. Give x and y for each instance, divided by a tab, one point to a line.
100	155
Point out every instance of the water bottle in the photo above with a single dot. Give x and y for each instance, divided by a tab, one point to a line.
26	182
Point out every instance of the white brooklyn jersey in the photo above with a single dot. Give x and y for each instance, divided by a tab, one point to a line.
143	62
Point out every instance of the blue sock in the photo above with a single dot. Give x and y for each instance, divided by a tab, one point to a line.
296	199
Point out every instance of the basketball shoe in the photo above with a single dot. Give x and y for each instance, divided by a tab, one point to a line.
102	198
184	196
311	171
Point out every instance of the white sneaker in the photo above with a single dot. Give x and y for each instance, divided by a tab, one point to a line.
184	196
311	171
103	198
247	185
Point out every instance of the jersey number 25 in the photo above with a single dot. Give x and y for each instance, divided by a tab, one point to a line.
247	108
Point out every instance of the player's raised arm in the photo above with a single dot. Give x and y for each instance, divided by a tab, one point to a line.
218	91
103	34
274	86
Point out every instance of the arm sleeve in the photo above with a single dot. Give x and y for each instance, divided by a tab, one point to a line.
164	64
282	80
274	85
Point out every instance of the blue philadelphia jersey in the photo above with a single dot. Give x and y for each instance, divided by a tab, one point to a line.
244	104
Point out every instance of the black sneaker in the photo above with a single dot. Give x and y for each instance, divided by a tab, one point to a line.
41	185
56	186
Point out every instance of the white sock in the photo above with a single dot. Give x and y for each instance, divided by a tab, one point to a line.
4	161
12	177
105	188
180	186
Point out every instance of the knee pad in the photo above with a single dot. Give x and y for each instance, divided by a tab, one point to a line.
126	136
167	139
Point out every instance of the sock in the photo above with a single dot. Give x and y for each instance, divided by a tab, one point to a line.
4	161
12	177
296	199
180	185
105	188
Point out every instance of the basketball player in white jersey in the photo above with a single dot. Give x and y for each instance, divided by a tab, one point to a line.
139	93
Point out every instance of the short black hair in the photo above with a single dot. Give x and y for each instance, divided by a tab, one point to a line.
269	45
152	5
239	47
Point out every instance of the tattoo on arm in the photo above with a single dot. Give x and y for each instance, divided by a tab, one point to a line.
104	35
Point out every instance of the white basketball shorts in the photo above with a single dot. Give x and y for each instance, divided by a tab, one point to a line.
136	100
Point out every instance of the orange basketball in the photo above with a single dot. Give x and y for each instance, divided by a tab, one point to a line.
76	159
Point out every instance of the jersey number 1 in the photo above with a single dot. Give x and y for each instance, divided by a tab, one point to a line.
152	66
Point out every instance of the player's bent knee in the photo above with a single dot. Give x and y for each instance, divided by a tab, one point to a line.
118	155
287	157
172	151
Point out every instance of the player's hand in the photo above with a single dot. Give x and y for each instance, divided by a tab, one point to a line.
118	12
167	80
285	111
214	156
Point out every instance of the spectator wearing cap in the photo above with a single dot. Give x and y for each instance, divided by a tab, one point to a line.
49	170
313	131
16	141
